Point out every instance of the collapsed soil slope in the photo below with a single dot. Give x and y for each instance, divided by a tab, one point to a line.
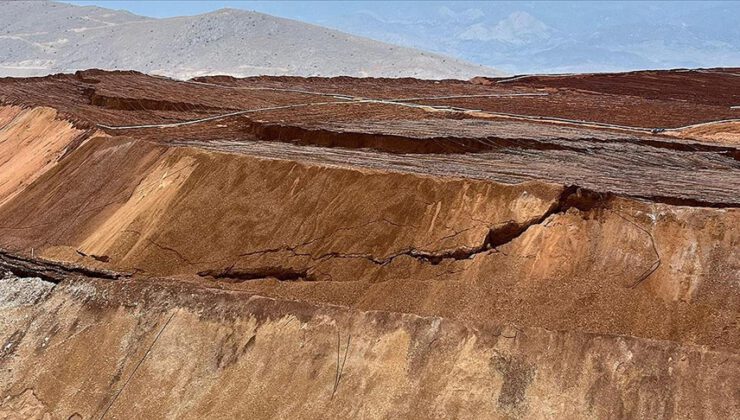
173	350
530	229
31	140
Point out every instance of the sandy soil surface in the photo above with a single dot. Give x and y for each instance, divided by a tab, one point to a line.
500	248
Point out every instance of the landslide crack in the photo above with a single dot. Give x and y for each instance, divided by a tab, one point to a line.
389	143
506	232
277	272
51	271
122	103
571	197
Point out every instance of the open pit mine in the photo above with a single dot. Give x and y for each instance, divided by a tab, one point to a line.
281	247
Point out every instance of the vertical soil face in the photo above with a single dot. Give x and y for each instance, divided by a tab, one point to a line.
227	352
31	142
273	275
532	253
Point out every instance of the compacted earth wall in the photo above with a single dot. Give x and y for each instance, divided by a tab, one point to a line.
166	256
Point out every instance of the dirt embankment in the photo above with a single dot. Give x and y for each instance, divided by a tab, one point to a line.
227	353
31	142
726	133
219	275
533	253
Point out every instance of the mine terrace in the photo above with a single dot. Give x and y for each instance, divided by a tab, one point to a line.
560	243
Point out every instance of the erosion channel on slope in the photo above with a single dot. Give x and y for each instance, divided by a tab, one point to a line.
444	260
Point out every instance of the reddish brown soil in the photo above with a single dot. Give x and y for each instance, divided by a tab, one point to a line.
553	211
650	100
602	158
710	86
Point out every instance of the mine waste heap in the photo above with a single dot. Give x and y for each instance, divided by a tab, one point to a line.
284	247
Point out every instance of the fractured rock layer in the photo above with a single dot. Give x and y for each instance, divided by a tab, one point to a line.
224	352
478	259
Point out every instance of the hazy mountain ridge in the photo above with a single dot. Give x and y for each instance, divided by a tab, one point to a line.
45	37
531	37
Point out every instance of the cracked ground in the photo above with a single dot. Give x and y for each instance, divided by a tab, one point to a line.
531	247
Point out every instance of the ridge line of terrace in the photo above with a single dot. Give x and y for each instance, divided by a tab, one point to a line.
348	99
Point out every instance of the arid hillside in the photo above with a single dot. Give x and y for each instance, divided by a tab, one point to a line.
41	37
273	247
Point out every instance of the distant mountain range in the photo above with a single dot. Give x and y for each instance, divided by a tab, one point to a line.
551	37
38	38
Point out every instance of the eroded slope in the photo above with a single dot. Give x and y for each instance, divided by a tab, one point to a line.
173	350
516	231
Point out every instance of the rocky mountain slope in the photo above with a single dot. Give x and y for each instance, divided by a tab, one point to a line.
522	37
501	248
228	41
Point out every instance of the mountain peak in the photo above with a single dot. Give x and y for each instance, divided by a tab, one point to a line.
227	41
518	28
